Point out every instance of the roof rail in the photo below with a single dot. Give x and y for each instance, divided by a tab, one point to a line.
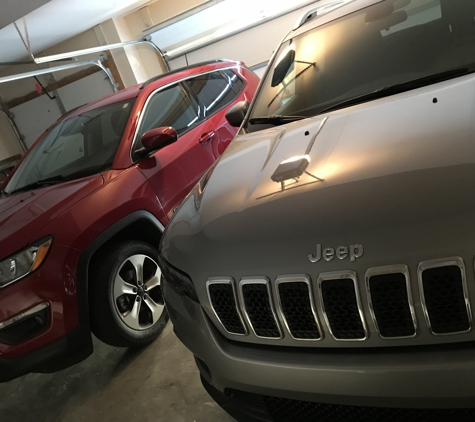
155	78
311	14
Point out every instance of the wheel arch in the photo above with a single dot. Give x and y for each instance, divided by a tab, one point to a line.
139	225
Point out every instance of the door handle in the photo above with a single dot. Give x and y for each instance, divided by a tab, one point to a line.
206	137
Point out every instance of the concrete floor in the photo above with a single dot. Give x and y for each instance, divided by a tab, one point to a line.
157	383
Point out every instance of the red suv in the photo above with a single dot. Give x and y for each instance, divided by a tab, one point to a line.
82	213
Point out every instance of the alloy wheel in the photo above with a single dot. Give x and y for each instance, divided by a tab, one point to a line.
137	292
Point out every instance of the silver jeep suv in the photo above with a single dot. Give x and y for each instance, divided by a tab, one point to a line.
323	269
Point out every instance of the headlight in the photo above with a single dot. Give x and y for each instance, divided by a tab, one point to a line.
24	262
179	281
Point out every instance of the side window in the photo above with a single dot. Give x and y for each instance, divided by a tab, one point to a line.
169	107
214	90
236	82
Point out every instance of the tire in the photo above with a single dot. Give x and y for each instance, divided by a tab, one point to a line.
125	295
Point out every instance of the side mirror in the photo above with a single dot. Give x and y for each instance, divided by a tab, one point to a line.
283	67
235	115
156	139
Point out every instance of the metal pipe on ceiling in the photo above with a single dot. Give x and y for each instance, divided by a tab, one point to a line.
101	48
37	72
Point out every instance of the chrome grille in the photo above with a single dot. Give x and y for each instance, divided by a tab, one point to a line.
223	301
445	296
330	306
259	308
341	306
390	301
296	302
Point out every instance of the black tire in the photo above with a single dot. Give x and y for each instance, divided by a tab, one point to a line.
124	311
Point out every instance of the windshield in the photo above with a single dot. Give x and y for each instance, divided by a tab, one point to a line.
76	147
382	46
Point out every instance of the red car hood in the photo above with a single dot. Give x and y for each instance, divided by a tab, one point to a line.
22	215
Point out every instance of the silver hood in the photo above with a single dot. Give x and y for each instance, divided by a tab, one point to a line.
397	176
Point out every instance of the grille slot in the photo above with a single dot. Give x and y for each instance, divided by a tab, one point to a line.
445	297
391	302
297	308
223	301
341	306
259	308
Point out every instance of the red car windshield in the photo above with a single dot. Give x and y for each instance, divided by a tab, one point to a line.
76	147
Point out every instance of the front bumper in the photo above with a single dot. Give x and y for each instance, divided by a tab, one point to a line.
403	377
44	324
55	356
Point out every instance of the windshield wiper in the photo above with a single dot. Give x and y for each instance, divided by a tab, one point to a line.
398	88
39	184
275	120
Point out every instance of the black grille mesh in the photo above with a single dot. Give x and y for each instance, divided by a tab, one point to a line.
285	410
297	309
257	301
391	305
339	298
223	302
445	302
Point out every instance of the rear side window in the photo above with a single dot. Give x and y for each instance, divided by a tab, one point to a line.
236	82
215	90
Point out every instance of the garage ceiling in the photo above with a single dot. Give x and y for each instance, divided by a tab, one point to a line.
50	22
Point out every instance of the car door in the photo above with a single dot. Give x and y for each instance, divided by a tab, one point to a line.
174	170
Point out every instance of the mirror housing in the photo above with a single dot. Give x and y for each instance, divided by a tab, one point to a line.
283	67
235	115
156	139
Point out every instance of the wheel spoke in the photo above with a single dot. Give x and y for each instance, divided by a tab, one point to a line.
137	261
154	281
121	287
154	307
132	318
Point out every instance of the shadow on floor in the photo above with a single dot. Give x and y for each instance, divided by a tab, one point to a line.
156	383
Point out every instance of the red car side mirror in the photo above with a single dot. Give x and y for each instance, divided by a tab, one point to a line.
156	139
